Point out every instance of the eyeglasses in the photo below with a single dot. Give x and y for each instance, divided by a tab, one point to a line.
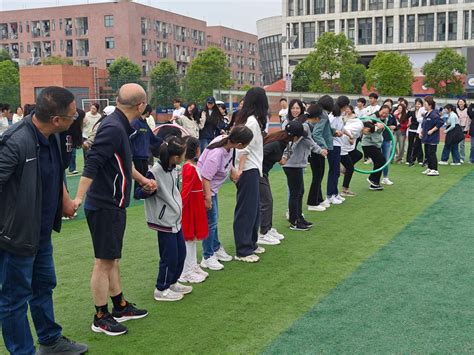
73	117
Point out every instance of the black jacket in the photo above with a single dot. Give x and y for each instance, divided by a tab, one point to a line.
272	154
470	112
109	164
20	190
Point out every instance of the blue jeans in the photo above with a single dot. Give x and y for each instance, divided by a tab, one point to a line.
28	280
204	142
386	151
334	162
172	251
454	150
72	163
212	244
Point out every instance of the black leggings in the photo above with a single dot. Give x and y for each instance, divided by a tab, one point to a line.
348	161
315	195
377	157
294	177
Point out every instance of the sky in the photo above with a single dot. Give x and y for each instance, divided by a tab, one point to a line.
238	14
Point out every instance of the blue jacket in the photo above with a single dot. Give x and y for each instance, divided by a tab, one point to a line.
141	139
430	121
109	164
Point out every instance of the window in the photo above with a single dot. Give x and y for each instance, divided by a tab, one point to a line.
108	62
410	28
53	25
109	43
466	24
441	27
109	21
426	28
54	46
402	29
296	32
363	5
354	5
375	4
365	31
472	24
321	28
345	6
319	7
291	7
342	25
351	29
308	7
378	30
300	8
331	26
389	29
452	26
308	34
403	3
332	6
415	3
437	2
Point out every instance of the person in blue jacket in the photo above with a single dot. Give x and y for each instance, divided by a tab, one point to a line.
430	135
140	142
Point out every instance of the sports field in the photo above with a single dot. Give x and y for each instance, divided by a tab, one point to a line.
385	272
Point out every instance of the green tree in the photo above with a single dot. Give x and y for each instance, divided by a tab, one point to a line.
208	71
123	71
246	87
165	83
57	59
442	73
390	73
4	55
301	77
352	79
9	83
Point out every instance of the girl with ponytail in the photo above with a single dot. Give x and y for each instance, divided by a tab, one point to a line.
163	210
215	163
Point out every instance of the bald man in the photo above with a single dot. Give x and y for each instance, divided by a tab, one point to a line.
107	179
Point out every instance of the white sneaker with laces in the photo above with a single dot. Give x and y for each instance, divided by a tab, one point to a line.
252	258
339	197
267	239
192	277
317	208
455	164
325	203
387	181
222	255
259	250
167	295
211	263
433	173
177	287
275	234
442	162
426	171
198	270
334	200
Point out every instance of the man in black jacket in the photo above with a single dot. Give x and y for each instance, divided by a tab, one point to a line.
32	200
107	180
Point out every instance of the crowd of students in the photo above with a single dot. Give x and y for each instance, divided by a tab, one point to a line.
196	152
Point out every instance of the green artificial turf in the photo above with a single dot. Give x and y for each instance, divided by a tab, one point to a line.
245	307
414	296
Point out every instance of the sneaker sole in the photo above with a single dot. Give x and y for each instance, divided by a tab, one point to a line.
238	258
211	268
124	319
168	299
299	229
267	243
225	259
192	281
112	334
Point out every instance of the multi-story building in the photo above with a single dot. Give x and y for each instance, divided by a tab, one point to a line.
97	34
269	44
418	28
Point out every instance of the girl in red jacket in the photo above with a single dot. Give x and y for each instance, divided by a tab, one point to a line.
194	213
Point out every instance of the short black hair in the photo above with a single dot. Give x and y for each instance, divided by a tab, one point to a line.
177	99
315	111
5	107
52	101
147	109
327	102
362	99
96	105
282	99
374	95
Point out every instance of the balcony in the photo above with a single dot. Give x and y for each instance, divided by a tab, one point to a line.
82	26
82	47
3	31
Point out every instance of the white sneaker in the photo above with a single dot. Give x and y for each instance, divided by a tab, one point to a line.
339	197
325	203
387	181
441	162
167	295
462	161
198	270
433	173
252	258
192	277
211	263
368	161
259	250
317	208
455	164
177	287
334	200
426	171
267	239
221	255
275	234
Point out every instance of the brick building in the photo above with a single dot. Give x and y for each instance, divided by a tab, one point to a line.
96	34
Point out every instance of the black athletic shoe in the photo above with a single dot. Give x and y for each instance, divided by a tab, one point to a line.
304	221
129	312
375	187
108	325
298	226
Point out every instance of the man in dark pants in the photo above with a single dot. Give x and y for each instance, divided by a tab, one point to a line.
32	189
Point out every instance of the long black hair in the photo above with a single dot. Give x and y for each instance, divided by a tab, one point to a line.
192	148
213	118
75	130
341	102
239	134
174	146
255	104
292	103
194	115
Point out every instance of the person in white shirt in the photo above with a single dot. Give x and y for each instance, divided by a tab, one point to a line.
283	109
4	124
249	170
360	107
373	106
90	120
18	115
178	109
